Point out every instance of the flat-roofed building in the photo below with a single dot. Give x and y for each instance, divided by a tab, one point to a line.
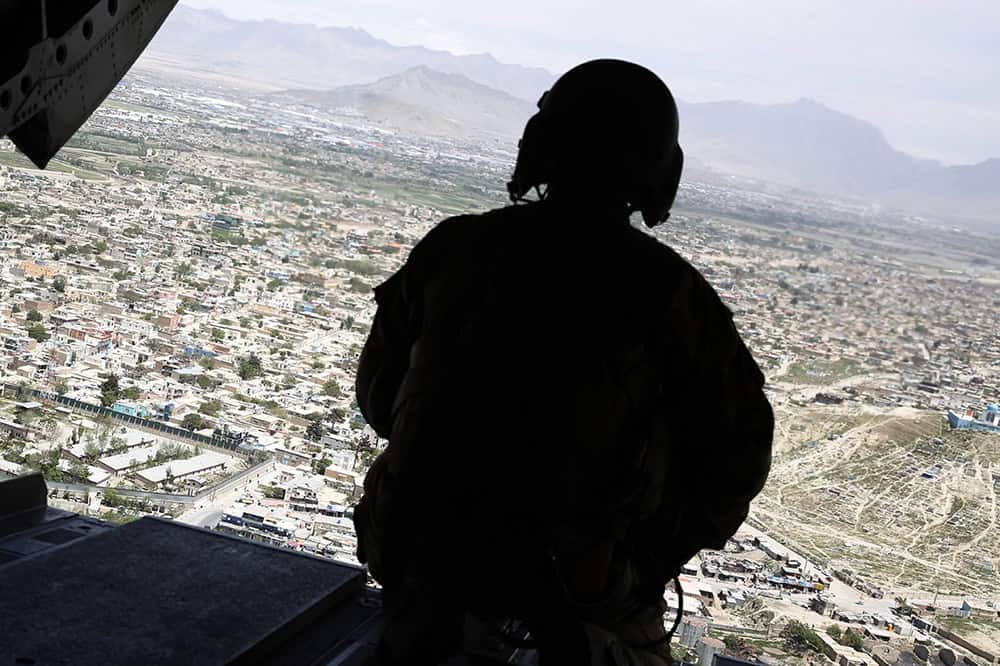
121	462
155	477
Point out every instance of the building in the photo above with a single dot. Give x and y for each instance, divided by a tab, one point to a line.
12	429
843	655
172	471
691	631
988	421
822	605
129	408
292	458
302	499
121	462
972	608
708	647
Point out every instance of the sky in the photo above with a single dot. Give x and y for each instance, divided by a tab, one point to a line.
926	72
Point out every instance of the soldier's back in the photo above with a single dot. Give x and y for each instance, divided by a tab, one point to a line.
544	333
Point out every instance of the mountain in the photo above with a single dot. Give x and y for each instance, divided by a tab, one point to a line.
286	55
424	101
803	143
808	145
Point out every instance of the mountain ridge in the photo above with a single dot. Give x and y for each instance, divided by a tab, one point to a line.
421	100
298	55
803	143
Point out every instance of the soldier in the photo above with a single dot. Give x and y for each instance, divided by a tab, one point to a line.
571	413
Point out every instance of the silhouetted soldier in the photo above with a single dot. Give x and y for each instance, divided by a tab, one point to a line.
571	413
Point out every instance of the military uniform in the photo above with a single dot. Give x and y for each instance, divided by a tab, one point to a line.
566	399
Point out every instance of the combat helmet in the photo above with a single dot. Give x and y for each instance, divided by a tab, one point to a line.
608	129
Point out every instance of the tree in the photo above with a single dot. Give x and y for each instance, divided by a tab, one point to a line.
130	393
205	382
319	466
210	407
273	492
218	335
800	638
61	386
59	283
38	332
331	388
250	367
182	269
834	631
34	315
315	431
112	498
193	422
852	639
79	471
91	451
110	390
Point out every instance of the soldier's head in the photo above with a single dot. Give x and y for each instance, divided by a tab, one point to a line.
606	132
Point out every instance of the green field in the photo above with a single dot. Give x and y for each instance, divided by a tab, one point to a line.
821	372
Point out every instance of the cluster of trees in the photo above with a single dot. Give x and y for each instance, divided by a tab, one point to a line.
194	421
174	451
117	501
35	328
37	332
111	391
103	445
319	466
850	638
250	367
358	266
202	381
211	407
799	638
315	430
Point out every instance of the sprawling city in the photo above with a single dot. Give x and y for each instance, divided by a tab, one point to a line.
186	289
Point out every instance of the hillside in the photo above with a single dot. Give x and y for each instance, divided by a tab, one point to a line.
806	144
423	101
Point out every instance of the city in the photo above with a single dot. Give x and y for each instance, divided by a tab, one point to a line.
187	287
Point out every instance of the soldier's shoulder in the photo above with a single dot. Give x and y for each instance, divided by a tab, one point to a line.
463	228
669	270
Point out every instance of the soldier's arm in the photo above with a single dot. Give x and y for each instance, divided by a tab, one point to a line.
724	426
385	357
739	421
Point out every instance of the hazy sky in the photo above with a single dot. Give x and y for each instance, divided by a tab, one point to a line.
926	72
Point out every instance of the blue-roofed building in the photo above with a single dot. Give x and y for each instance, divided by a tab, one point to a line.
987	421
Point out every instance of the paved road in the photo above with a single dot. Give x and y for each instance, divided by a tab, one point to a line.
207	517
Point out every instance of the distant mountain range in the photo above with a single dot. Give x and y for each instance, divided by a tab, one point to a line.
418	90
809	145
287	55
